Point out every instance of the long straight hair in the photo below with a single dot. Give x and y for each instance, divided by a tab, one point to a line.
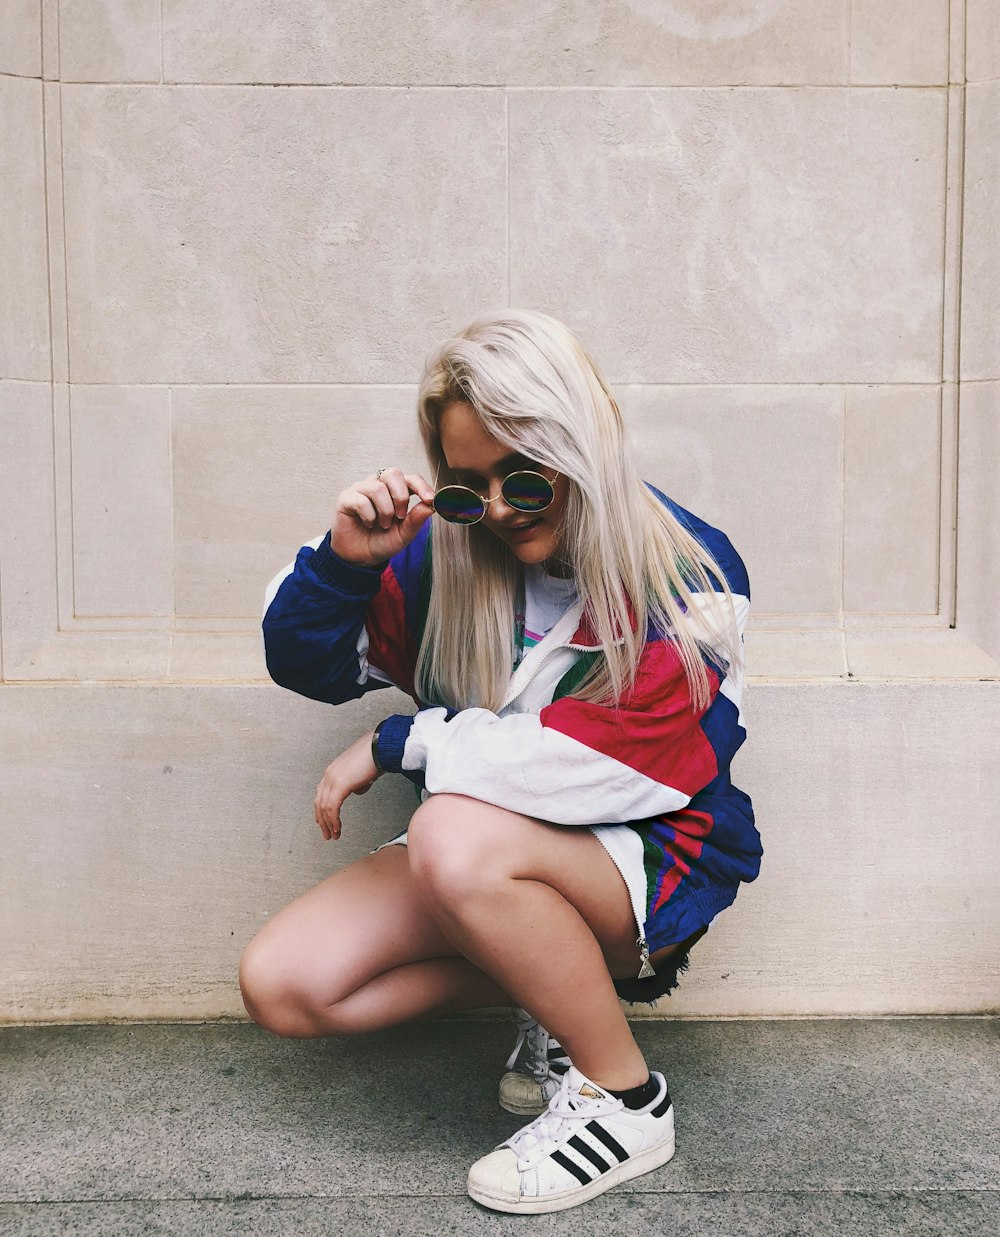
536	390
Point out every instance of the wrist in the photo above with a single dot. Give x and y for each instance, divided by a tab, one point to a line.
389	742
349	577
375	736
365	563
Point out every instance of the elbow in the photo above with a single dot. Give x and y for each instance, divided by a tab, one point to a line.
285	656
285	662
281	673
311	681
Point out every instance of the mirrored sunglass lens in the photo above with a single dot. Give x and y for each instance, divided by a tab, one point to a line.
527	491
457	504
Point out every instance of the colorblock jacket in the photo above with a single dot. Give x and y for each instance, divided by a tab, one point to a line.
334	631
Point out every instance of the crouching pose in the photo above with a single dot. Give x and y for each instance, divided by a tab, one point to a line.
573	642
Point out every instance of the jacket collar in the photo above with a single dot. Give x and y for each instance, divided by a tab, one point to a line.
586	638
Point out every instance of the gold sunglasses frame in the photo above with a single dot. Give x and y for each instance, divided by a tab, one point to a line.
517	472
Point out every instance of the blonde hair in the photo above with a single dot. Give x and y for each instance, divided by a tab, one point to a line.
536	389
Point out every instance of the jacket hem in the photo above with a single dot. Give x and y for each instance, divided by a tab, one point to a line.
678	919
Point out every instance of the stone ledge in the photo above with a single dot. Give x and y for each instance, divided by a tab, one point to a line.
857	654
811	654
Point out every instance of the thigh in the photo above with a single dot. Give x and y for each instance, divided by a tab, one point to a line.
472	837
575	863
352	926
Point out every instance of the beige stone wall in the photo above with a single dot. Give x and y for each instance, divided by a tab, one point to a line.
979	446
228	236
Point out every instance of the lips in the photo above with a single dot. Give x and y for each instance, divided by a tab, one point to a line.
521	532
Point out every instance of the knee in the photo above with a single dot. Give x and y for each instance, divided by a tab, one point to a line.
453	845
269	994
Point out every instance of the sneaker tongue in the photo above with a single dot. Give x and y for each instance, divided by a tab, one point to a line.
580	1082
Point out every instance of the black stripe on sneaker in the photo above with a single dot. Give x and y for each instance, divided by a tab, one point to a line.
556	1051
557	1067
586	1149
663	1105
579	1173
609	1140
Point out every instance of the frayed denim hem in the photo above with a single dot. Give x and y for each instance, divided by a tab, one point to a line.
648	991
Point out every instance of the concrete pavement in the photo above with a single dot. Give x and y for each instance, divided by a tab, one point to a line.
783	1127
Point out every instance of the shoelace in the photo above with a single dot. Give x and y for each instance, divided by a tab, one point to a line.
567	1111
528	1028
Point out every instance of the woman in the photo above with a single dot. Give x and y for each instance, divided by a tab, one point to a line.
573	642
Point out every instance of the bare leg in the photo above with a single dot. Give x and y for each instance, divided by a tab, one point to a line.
543	910
417	991
356	953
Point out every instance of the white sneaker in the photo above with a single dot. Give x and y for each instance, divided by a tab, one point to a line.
527	1089
583	1144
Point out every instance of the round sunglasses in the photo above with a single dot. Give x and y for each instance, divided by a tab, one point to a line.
524	490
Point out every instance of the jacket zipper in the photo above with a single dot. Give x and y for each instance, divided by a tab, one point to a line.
557	648
566	644
646	967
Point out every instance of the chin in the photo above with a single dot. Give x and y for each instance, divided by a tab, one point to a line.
533	553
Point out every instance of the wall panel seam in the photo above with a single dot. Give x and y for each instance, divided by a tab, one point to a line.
510	88
850	42
506	118
49	279
403	386
959	272
172	554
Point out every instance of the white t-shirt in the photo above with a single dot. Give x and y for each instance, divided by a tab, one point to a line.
546	600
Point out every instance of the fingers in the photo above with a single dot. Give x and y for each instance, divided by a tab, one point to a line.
352	773
320	817
353	502
326	809
397	483
417	516
380	501
328	803
417	485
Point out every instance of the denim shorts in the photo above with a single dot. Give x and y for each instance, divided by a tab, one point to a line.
649	990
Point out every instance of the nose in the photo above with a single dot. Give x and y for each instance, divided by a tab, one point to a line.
497	509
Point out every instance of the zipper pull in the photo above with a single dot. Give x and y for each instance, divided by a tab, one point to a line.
646	970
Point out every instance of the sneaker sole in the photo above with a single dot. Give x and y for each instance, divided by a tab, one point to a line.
523	1110
642	1163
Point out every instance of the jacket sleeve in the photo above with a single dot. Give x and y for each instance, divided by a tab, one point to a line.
318	616
577	763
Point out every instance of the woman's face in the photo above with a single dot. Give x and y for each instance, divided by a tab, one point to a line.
477	459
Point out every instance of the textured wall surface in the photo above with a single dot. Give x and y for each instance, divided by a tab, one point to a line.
228	238
152	830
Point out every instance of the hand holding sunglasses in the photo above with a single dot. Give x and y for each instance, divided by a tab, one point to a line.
376	517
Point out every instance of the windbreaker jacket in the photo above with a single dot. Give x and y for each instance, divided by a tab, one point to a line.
334	631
